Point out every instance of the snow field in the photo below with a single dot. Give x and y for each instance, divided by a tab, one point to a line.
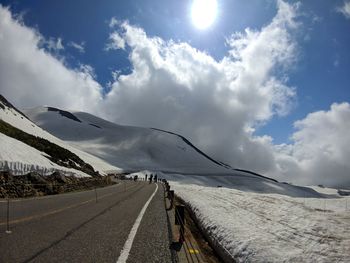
257	227
128	147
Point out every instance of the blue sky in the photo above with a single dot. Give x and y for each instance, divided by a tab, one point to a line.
321	74
78	21
310	78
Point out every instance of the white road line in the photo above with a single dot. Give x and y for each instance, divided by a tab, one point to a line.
128	243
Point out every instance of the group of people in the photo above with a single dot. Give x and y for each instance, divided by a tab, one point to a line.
153	178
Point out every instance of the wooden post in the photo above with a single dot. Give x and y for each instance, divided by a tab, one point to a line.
8	231
171	196
180	220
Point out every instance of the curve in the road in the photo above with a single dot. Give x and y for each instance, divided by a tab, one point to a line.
128	244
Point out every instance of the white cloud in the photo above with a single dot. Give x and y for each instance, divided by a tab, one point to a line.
173	86
215	103
321	149
80	47
115	42
53	44
345	9
30	75
114	22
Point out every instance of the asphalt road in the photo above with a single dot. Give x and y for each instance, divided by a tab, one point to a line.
74	228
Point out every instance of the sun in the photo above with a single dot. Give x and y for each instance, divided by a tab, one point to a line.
203	13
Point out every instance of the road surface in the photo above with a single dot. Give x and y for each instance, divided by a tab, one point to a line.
127	224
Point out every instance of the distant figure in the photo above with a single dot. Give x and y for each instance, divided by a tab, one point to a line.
135	178
155	178
150	178
146	177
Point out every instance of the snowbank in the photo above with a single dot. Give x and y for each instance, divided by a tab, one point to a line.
12	117
256	227
245	182
20	158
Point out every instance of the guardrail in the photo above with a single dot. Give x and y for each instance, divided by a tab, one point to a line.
179	213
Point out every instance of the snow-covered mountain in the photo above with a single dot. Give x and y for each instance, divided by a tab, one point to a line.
136	149
21	158
131	148
108	147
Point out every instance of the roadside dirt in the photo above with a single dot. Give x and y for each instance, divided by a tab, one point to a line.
207	252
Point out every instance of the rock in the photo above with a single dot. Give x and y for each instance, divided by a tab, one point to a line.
34	184
35	178
344	193
7	176
59	177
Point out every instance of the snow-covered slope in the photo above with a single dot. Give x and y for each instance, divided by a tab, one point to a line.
131	148
247	183
14	117
136	149
20	158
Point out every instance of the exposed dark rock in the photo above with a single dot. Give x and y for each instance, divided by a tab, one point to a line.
64	114
56	153
344	193
195	148
4	102
34	178
34	184
6	176
256	174
95	125
59	177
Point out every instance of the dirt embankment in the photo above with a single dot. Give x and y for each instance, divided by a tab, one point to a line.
34	184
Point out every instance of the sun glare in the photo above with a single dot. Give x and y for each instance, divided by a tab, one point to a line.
203	13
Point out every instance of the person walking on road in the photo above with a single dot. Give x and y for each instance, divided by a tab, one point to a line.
155	178
150	178
146	177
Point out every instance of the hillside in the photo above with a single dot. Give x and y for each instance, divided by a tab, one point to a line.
23	142
131	148
137	149
109	147
32	148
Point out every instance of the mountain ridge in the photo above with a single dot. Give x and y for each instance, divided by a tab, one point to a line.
111	147
151	147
